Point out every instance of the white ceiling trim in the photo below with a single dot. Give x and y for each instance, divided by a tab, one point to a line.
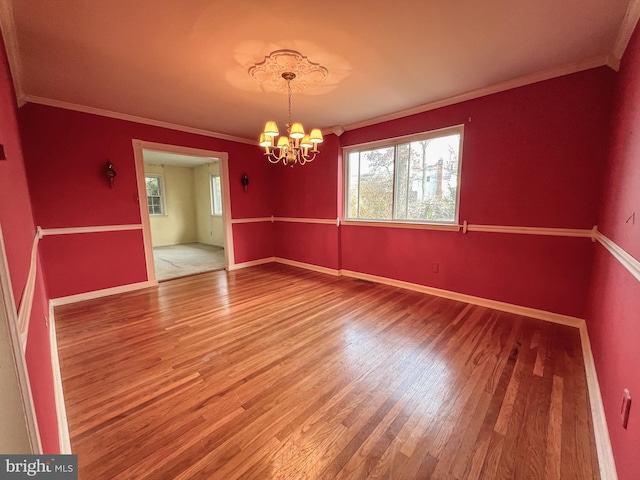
11	46
624	35
481	92
132	118
338	130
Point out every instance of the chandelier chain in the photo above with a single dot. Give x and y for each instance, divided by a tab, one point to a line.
296	146
289	93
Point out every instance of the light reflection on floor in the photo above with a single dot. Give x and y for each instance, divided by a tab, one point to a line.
365	348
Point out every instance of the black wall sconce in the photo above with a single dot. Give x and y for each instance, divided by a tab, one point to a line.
245	181
110	172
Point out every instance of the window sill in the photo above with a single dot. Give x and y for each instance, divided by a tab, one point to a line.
446	227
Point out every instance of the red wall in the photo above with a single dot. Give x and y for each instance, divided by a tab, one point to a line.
532	156
613	314
19	231
547	273
65	153
38	356
90	260
253	241
309	191
315	244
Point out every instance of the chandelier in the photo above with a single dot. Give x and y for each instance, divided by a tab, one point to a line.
278	70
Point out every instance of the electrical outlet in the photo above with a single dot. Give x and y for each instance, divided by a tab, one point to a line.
626	406
435	267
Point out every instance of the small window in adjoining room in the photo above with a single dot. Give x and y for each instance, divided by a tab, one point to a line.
216	195
154	194
413	179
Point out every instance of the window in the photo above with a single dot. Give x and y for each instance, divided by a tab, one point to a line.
154	194
216	195
408	179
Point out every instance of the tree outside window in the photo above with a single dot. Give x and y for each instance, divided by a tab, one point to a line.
412	181
154	194
216	195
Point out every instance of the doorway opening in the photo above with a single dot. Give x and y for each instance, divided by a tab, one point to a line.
184	205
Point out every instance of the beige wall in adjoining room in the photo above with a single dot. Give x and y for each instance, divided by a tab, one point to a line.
178	224
209	227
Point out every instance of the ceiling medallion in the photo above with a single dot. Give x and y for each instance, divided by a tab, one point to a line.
270	71
288	70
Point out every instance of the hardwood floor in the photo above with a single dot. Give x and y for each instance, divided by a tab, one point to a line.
276	372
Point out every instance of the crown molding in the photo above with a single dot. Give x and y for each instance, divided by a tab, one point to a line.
624	34
132	118
11	46
481	92
612	60
337	130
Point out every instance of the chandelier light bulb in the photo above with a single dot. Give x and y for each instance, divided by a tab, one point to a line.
315	136
306	142
266	141
271	129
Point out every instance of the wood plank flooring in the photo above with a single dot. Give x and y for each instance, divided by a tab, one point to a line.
274	372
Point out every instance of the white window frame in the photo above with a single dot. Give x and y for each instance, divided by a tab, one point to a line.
393	142
160	178
216	210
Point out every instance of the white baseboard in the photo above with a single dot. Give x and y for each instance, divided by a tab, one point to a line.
601	432
80	297
308	266
252	263
61	411
461	297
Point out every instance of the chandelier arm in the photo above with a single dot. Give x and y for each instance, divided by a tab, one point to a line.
273	157
308	158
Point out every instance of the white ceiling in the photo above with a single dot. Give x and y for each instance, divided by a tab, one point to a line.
185	62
